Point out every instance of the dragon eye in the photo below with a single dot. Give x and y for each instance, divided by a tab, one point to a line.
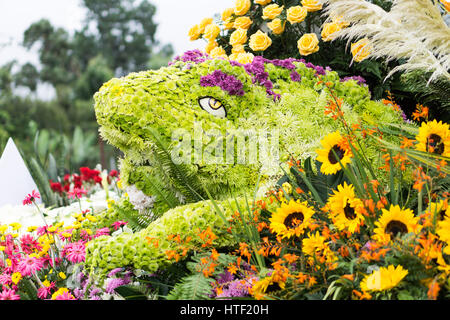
213	106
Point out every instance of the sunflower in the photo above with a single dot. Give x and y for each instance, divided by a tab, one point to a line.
345	208
443	230
334	150
291	219
318	250
440	209
383	279
434	137
394	222
313	243
265	286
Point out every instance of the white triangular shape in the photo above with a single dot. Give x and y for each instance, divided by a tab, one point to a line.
15	179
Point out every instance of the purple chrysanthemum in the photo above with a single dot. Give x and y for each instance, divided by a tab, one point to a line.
195	56
360	80
295	76
114	283
225	81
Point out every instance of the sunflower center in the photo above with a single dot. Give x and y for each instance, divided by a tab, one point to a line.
441	215
339	153
273	287
293	218
395	227
435	142
349	212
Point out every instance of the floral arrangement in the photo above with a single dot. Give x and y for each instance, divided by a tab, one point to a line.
356	208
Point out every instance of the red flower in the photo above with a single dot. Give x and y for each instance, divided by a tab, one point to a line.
56	186
113	173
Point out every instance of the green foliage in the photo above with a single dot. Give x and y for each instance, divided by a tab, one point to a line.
195	286
433	95
136	220
192	287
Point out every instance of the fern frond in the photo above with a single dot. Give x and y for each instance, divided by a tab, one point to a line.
412	30
182	177
136	221
193	287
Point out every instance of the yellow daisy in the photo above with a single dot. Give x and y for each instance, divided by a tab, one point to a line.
383	279
291	219
345	208
395	222
330	162
434	137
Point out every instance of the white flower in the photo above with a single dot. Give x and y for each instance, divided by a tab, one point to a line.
139	199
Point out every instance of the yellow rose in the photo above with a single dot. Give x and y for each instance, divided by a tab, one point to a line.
243	23
218	52
238	36
245	57
259	41
308	44
210	46
277	26
233	56
296	14
360	49
205	22
328	30
195	32
211	32
238	48
241	7
312	5
271	11
228	24
227	14
262	2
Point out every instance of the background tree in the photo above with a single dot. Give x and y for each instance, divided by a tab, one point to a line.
116	37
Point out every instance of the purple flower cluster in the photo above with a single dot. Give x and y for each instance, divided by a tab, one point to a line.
360	80
195	56
260	76
87	288
225	81
91	292
232	287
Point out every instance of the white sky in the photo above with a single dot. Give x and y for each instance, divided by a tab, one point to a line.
174	18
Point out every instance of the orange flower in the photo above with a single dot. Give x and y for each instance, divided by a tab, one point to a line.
290	258
433	290
350	277
232	269
406	143
214	255
420	112
301	277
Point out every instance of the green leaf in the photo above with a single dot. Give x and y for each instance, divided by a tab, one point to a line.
130	293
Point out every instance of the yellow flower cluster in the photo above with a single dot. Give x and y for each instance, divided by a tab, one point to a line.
237	19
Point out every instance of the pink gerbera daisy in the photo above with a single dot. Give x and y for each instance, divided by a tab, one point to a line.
75	252
30	265
9	294
76	193
30	198
102	232
116	225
